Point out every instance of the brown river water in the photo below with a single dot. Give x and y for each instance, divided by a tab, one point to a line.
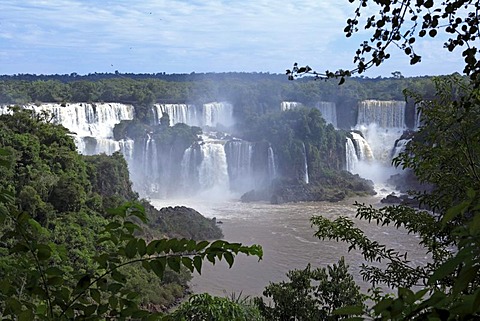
285	233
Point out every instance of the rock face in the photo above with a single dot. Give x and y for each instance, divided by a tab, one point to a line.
294	191
185	222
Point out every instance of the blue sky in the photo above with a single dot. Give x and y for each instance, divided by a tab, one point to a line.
65	36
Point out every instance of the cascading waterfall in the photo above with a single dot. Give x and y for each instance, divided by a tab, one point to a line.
329	111
381	124
218	113
239	160
213	171
92	124
271	167
351	156
418	116
399	147
211	114
178	113
386	114
287	105
305	162
363	150
127	147
192	157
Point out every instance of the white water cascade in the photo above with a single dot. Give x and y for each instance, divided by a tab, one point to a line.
271	167
239	158
305	162
381	124
329	111
287	105
91	123
213	171
178	113
218	113
351	156
210	114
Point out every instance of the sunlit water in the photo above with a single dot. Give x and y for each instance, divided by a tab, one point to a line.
286	235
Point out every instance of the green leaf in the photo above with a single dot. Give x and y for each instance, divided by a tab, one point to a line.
26	315
188	263
146	266
174	263
229	258
119	277
113	301
382	305
102	309
114	287
466	276
445	269
197	263
55	280
455	211
44	252
201	245
131	248
158	267
95	294
347	310
83	283
152	246
89	310
112	226
141	247
54	271
218	244
191	245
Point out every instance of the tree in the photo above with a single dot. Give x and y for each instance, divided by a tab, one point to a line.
444	153
400	23
311	294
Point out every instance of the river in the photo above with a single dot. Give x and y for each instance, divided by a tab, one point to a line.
286	235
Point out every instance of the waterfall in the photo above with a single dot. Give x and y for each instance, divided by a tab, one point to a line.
351	156
287	105
418	116
239	160
178	113
399	147
213	171
127	147
381	124
218	113
4	109
150	170
362	148
386	114
192	157
328	111
305	167
271	167
92	124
